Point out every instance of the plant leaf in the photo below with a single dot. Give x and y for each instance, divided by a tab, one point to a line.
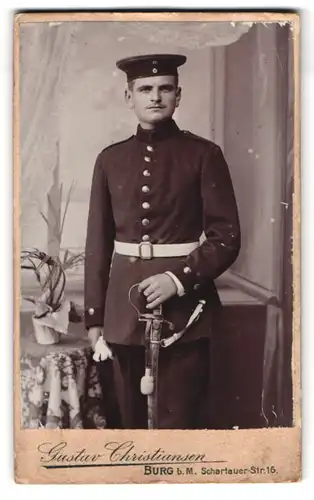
30	299
45	219
55	228
65	257
32	267
59	207
68	199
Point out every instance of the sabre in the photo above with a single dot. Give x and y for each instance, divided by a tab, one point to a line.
153	329
149	381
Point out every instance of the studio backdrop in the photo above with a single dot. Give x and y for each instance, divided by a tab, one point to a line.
237	90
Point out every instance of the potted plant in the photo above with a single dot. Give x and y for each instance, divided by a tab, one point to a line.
53	310
51	316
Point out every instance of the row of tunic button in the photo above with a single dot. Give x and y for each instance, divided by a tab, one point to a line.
145	205
146	190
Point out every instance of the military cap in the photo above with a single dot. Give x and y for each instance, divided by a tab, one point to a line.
151	65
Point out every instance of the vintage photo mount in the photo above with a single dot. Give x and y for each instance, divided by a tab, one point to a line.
88	456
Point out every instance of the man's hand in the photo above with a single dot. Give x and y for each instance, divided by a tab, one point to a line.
93	334
157	289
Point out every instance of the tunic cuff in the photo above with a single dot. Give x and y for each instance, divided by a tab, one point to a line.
188	277
94	316
180	287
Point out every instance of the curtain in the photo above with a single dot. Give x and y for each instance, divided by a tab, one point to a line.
263	159
44	52
187	35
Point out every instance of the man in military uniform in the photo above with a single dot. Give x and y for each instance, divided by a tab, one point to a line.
152	197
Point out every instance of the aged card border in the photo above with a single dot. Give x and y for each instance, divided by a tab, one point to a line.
280	447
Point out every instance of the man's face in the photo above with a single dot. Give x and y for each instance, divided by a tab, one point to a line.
154	98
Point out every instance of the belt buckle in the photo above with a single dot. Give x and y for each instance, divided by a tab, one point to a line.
143	247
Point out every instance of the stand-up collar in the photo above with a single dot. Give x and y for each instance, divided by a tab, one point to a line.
162	131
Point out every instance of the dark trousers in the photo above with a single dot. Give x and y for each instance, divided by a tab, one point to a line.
183	382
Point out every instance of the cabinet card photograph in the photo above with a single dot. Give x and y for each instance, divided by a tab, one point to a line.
156	210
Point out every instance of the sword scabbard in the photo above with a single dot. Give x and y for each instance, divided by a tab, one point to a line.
153	330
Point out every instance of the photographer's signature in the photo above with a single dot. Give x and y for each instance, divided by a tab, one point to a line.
115	453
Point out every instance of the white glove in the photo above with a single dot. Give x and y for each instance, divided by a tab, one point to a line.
102	351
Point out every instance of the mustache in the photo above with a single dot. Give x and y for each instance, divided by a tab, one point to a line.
156	107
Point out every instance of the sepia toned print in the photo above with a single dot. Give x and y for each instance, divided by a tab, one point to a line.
156	175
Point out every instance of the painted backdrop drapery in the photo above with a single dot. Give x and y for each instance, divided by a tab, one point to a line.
44	51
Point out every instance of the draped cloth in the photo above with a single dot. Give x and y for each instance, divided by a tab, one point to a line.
277	378
60	388
188	35
275	45
45	48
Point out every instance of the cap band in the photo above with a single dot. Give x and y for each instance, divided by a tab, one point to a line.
151	65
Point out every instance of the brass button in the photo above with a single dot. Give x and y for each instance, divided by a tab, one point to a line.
196	287
145	189
145	222
91	311
146	173
150	148
145	237
145	205
147	159
187	270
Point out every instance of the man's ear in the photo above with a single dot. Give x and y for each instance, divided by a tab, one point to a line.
178	96
128	97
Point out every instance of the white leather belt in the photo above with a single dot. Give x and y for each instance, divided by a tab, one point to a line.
147	250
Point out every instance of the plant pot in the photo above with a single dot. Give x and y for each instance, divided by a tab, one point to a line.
45	335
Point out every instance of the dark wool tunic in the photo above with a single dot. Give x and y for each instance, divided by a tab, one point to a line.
162	186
